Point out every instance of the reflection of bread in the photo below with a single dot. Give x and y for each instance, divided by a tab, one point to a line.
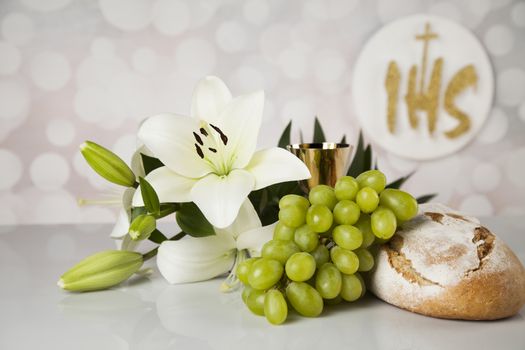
447	265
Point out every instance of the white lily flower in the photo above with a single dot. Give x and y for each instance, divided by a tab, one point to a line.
210	159
192	260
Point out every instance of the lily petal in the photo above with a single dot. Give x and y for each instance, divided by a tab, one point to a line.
192	260
136	160
246	220
253	240
121	227
241	121
170	137
209	98
170	187
275	165
220	197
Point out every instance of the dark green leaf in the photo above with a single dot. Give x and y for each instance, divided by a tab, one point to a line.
356	167
301	138
284	140
137	211
367	163
150	163
167	209
192	221
343	140
399	182
149	196
426	198
157	237
318	132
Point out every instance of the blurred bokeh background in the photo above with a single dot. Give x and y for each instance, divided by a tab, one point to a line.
72	70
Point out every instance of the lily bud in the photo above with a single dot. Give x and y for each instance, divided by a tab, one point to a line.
142	227
101	271
107	164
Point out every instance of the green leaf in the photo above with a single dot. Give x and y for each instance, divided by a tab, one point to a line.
367	163
284	140
356	167
301	138
192	221
318	132
157	237
137	211
167	209
150	163
426	198
399	182
343	140
149	196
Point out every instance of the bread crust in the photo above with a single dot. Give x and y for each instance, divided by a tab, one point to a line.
489	288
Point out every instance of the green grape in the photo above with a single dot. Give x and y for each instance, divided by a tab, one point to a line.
323	195
384	223
367	199
366	259
333	301
243	270
283	232
328	281
292	216
345	260
279	250
255	301
245	293
346	212
319	218
347	237
363	285
400	202
306	238
294	200
300	267
351	288
364	225
346	188
321	255
304	299
275	307
373	179
264	273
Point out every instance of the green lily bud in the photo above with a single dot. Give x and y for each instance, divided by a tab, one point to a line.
101	271
142	227
107	164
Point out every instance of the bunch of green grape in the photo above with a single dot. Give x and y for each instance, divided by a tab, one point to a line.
321	244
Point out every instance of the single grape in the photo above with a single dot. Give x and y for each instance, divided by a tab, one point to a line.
366	259
347	237
323	195
363	285
292	216
245	293
255	301
400	202
283	232
243	270
304	299
328	281
351	288
364	225
300	267
319	218
384	223
279	250
275	307
367	199
345	260
306	238
373	179
346	212
321	255
294	200
346	188
264	273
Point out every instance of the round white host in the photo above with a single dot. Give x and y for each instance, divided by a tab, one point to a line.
495	128
256	11
9	58
515	167
511	86
518	14
45	5
15	99
18	28
50	70
171	17
476	205
129	15
11	169
195	57
499	40
144	60
49	171
486	177
230	36
400	46
60	132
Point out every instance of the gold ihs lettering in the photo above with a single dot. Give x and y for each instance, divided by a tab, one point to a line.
392	89
460	81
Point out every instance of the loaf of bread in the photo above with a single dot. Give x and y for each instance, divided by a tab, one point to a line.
445	264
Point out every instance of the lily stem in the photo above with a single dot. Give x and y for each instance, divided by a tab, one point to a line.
153	252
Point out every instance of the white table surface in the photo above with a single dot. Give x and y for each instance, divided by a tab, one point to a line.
148	313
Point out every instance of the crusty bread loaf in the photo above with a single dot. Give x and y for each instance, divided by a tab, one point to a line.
444	264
